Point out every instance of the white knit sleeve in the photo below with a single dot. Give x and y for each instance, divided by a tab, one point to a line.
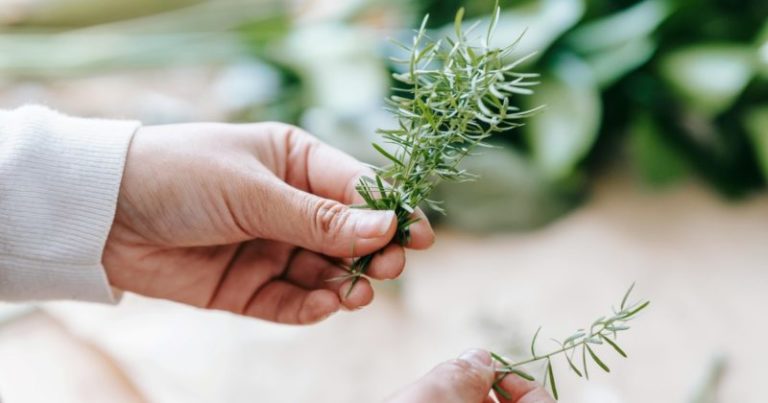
59	181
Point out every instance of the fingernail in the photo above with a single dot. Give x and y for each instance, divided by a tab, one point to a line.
477	357
372	224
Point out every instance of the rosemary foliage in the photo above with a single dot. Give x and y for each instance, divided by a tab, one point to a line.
454	95
579	346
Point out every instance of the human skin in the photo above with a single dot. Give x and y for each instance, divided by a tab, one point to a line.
468	379
254	219
251	219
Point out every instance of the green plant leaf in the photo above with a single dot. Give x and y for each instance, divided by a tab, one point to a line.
386	154
642	306
709	77
520	373
626	296
542	22
597	359
610	65
756	124
512	194
499	359
562	135
533	342
656	160
458	21
573	367
501	391
614	345
552	380
762	51
615	30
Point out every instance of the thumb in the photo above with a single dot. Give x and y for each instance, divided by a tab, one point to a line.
326	226
467	379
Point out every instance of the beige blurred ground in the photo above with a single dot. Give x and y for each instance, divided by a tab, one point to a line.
703	263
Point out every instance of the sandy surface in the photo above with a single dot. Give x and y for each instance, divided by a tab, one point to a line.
702	262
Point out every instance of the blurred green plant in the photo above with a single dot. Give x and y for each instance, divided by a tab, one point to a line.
668	88
198	33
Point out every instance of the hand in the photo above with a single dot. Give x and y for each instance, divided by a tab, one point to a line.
468	379
251	219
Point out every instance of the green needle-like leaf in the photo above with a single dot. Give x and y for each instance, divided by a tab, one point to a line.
552	380
626	296
499	358
389	156
573	367
597	359
533	342
501	391
614	345
642	306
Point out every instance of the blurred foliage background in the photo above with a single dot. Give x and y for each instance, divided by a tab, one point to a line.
671	90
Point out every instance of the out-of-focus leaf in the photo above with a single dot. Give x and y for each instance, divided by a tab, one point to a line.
566	129
147	18
74	13
344	82
762	51
638	21
64	54
756	123
340	67
621	42
615	30
709	387
612	64
542	22
212	32
655	159
762	58
709	77
509	194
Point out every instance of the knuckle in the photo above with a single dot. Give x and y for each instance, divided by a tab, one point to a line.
330	218
288	131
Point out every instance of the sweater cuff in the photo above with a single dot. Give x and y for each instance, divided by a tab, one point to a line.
59	182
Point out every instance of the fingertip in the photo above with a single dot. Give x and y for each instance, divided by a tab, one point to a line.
388	264
467	378
373	223
422	234
360	296
374	230
478	357
319	305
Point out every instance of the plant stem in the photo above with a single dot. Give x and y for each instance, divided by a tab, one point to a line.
553	353
453	96
599	333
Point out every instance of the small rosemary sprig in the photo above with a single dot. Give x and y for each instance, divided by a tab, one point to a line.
455	95
602	331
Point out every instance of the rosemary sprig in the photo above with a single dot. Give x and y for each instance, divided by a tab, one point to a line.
455	95
602	331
